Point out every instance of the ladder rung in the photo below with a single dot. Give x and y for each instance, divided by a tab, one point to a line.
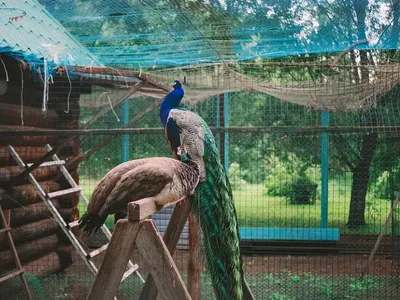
64	192
97	251
5	229
50	163
73	224
11	275
130	271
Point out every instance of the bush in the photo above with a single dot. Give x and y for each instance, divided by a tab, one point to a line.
235	177
291	179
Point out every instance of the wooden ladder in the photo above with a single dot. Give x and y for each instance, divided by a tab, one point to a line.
5	229
67	227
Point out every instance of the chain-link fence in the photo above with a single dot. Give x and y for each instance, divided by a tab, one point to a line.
312	189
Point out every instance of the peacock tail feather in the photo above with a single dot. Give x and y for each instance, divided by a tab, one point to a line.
215	208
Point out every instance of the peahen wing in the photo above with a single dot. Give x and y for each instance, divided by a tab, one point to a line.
146	180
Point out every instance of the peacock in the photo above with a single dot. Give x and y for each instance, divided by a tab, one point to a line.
163	178
189	135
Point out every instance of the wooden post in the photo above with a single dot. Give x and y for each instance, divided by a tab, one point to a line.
160	263
112	268
247	294
194	269
171	238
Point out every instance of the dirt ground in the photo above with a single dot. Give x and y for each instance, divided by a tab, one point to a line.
275	264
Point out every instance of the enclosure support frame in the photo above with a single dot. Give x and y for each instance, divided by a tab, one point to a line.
324	169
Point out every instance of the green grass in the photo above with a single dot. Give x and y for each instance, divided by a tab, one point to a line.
257	209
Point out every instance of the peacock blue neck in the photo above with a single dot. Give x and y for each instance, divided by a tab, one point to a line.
171	101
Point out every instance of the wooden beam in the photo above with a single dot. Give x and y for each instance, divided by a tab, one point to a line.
194	267
108	108
112	268
74	162
247	294
127	73
160	263
171	238
141	209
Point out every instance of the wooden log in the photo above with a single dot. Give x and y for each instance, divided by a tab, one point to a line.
31	213
69	213
46	264
10	114
171	239
31	231
159	262
117	255
29	251
24	140
26	194
6	173
27	154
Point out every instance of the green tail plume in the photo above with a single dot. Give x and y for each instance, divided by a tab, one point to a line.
215	208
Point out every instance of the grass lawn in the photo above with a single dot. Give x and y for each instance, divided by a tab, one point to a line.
257	209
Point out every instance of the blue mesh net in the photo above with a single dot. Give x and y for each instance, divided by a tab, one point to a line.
152	34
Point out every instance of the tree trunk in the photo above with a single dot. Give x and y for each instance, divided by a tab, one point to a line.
359	184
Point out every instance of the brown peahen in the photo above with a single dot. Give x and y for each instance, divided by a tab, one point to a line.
163	178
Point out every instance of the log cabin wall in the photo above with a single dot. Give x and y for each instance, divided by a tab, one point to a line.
41	245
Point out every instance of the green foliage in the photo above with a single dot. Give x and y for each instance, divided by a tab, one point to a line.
363	283
278	296
290	178
235	177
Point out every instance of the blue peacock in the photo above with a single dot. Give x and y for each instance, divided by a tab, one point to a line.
189	136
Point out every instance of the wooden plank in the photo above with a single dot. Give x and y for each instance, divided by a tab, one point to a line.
116	258
194	269
15	254
171	239
64	192
247	294
141	209
160	263
7	217
11	275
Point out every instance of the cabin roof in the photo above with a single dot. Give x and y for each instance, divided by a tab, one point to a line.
31	33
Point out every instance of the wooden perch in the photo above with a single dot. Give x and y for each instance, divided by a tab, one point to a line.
160	263
141	209
171	237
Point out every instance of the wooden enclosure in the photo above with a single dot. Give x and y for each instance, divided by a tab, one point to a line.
40	243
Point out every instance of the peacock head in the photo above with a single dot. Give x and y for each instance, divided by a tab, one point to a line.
176	84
